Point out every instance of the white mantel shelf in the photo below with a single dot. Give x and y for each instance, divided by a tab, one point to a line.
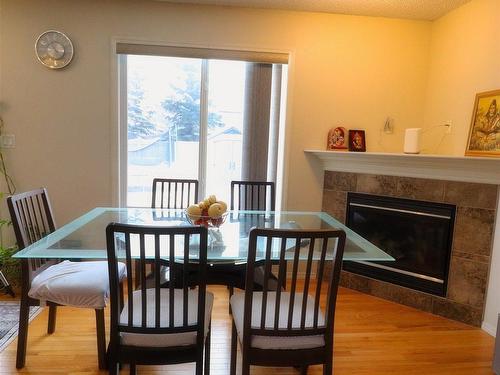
440	167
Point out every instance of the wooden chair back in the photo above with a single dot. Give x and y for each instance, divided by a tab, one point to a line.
181	248
293	245
32	219
174	193
253	195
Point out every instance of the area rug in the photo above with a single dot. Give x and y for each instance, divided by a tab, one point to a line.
9	319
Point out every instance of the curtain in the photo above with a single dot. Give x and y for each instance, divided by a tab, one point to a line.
261	122
272	159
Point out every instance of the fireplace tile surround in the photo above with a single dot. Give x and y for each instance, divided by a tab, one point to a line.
473	236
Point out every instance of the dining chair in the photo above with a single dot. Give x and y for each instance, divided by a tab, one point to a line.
288	328
157	325
51	281
174	193
171	193
253	195
6	285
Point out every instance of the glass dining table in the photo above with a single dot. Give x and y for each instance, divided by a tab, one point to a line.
85	238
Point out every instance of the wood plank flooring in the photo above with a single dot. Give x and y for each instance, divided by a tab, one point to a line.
372	337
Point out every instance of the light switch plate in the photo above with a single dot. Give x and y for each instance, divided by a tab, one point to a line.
7	141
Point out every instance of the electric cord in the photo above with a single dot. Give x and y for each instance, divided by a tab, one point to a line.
436	148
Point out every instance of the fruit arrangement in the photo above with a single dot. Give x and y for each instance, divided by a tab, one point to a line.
209	212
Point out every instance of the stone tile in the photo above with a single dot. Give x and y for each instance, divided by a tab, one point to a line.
345	278
402	295
334	204
376	184
358	282
420	189
453	310
467	282
474	231
340	181
466	194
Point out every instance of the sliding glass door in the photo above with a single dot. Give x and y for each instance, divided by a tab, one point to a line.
163	122
190	118
226	85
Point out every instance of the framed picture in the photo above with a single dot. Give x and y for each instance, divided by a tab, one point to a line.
357	141
337	139
484	132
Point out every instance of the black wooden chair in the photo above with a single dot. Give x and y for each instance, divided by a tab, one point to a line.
253	195
159	325
6	285
288	328
171	193
174	193
51	281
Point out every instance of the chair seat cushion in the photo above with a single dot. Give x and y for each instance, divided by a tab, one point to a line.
77	284
170	339
277	342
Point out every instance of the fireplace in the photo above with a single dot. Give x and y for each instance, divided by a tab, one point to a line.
476	210
417	234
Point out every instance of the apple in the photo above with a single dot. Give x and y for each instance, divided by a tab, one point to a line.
217	221
194	211
215	210
223	205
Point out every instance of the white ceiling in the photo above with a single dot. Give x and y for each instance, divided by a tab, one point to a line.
412	9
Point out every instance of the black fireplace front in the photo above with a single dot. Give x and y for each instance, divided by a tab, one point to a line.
417	234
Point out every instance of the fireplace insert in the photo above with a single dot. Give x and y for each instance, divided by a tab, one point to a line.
417	234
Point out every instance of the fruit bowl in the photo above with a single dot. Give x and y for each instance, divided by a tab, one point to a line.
206	221
210	212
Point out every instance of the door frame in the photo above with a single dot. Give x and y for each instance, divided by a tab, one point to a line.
118	115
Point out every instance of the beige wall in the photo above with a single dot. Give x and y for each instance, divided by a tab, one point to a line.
465	52
345	70
465	55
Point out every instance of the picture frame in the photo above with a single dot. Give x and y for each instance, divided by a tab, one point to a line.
484	131
337	139
357	140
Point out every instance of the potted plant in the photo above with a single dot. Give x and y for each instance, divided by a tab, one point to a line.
10	268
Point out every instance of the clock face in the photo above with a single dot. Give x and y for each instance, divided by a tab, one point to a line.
54	49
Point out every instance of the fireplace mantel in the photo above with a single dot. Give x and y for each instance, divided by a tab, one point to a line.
440	167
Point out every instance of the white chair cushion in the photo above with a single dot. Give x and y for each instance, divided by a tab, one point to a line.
277	342
165	340
77	284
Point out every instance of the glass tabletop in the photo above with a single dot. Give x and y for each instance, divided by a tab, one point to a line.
85	238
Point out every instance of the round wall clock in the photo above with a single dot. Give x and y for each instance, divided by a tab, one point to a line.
54	49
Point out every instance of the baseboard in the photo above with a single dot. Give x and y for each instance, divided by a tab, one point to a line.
488	328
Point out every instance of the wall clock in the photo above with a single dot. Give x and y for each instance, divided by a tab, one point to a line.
54	49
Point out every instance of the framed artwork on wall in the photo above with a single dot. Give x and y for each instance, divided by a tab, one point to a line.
357	140
484	132
337	139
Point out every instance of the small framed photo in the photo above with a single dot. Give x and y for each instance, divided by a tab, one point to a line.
337	139
484	132
357	141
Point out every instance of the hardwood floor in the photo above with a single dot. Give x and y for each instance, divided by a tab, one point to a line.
372	336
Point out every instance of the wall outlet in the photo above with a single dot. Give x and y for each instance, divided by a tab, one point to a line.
388	126
7	141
